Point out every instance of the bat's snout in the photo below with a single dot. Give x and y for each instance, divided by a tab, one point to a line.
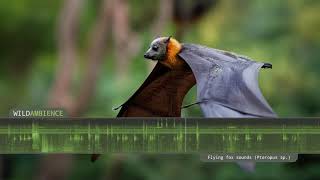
146	56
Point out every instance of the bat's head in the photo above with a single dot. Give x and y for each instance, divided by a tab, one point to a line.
158	49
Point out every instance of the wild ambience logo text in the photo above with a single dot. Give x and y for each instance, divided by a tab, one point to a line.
37	113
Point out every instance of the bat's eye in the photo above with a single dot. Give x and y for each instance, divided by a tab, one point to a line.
155	48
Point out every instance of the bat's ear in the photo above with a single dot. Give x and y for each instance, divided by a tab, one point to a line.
168	39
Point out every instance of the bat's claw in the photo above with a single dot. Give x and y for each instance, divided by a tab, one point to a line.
267	66
116	108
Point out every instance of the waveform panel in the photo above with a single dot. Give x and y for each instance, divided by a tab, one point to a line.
159	135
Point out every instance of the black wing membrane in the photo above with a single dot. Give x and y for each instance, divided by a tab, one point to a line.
227	83
161	95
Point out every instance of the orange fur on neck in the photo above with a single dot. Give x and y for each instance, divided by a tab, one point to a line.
172	60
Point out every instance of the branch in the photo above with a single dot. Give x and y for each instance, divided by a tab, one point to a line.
58	166
127	43
97	46
164	16
67	36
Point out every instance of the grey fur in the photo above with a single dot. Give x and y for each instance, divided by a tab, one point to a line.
158	49
227	83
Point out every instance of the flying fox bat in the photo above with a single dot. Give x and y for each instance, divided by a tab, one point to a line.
227	84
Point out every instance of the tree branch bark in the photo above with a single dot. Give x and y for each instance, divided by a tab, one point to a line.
67	39
54	167
165	14
97	47
127	43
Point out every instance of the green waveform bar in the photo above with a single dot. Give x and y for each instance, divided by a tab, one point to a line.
159	135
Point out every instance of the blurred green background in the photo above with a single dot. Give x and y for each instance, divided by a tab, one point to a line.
87	57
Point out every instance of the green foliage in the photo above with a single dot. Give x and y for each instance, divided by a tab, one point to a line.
285	33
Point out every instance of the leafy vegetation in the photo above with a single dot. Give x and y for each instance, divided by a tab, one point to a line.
284	33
